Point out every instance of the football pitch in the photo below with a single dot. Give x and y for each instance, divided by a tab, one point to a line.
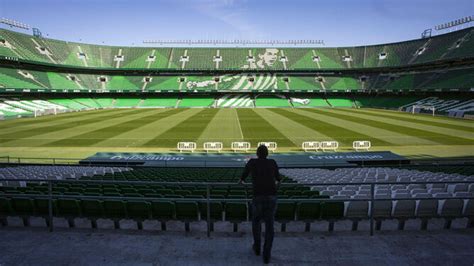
81	134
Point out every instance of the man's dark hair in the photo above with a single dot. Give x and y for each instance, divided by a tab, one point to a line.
262	151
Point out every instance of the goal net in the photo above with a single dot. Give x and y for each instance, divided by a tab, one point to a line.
419	108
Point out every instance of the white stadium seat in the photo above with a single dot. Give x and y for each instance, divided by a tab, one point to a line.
347	193
426	208
357	210
471	188
452	188
403	209
382	209
449	208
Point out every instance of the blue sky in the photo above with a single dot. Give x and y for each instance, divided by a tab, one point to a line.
337	22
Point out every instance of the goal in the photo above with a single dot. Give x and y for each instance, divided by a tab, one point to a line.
431	108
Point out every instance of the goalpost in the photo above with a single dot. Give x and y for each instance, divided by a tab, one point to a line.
423	107
41	112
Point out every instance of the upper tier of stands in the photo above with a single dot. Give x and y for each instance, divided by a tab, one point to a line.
455	45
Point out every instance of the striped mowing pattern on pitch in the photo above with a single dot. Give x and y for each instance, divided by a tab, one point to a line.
163	128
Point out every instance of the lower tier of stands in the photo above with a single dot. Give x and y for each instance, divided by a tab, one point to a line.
455	106
306	195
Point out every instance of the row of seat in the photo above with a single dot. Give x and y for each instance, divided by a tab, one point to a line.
369	175
402	208
173	191
177	175
238	211
162	210
57	172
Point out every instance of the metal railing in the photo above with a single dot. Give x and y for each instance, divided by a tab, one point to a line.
208	185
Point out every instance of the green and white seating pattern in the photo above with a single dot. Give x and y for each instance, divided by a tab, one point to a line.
235	101
11	111
453	45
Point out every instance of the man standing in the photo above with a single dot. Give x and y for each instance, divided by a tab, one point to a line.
265	179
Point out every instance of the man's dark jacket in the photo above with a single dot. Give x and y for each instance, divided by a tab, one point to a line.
264	174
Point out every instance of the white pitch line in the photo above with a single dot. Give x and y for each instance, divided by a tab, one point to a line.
238	124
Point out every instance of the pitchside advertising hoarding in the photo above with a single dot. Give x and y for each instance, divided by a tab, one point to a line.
239	160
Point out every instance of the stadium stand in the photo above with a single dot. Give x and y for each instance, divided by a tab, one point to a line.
384	102
340	102
159	102
438	80
442	47
196	102
70	104
185	202
53	172
234	101
396	209
126	102
271	101
9	111
309	102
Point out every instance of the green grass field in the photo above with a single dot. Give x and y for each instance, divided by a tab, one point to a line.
80	134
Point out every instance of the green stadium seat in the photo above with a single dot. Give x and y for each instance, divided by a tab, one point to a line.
112	194
236	212
186	212
93	210
24	208
92	194
132	195
42	209
147	191
138	211
194	196
308	212
332	211
285	213
163	211
67	193
115	210
5	210
216	211
92	190
172	196
79	190
182	192
69	209
128	190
